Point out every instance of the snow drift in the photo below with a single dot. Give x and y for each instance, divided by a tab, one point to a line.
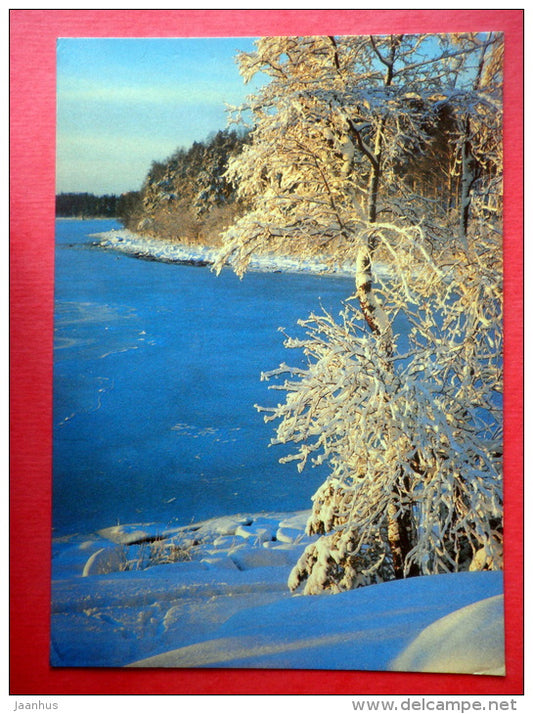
226	604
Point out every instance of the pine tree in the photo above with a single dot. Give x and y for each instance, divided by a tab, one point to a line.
188	197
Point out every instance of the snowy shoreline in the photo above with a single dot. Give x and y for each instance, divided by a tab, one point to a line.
214	594
158	249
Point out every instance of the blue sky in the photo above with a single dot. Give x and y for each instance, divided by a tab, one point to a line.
122	103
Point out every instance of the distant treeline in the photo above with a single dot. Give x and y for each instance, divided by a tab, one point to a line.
87	205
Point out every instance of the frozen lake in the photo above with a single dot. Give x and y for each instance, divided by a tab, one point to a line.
157	369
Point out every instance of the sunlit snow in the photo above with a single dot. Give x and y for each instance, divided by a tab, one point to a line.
125	241
225	603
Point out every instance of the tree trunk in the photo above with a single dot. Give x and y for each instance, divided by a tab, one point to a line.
400	517
373	186
469	174
401	534
400	529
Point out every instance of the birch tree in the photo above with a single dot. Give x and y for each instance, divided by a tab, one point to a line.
408	420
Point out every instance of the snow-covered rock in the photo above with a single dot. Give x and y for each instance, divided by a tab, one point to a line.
248	558
105	560
127	534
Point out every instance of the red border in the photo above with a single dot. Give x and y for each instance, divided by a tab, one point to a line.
32	75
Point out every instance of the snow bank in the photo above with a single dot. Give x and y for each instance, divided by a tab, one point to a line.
361	629
149	248
469	640
214	594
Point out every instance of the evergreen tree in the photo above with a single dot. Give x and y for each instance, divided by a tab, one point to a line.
188	197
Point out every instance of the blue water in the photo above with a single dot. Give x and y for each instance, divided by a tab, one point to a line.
156	371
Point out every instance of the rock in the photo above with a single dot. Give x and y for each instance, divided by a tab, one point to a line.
105	560
249	558
256	534
127	534
289	535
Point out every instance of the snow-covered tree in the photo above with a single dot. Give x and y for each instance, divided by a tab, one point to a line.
401	396
187	197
